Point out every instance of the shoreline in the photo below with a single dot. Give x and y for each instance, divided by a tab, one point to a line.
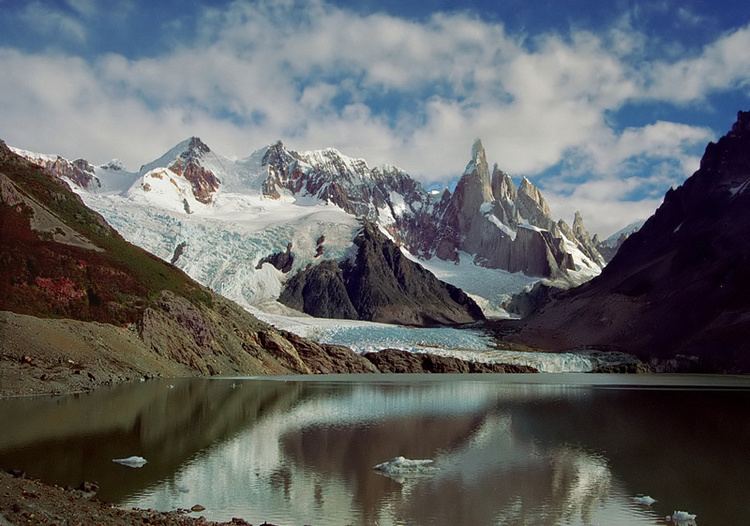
31	501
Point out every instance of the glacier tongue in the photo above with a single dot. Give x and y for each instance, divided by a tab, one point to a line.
226	241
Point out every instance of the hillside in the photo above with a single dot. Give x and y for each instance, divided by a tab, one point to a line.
678	290
82	307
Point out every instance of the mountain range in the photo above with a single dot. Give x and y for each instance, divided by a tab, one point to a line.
331	236
222	219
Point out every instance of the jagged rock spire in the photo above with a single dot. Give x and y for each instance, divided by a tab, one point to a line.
532	206
503	188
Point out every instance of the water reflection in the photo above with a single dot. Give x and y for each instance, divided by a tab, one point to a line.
303	452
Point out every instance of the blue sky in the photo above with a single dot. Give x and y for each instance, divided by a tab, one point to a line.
604	105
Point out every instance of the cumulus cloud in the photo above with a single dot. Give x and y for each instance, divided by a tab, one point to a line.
412	93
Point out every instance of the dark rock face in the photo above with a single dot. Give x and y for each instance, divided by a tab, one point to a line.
380	284
397	361
529	301
677	287
283	261
320	291
178	251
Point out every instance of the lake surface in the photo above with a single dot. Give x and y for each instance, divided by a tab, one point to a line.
508	449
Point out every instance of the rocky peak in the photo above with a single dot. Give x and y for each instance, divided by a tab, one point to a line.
586	243
378	283
742	126
578	228
478	155
188	164
532	206
503	188
474	188
80	172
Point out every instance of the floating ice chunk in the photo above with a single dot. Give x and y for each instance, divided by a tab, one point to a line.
405	466
682	518
644	499
131	462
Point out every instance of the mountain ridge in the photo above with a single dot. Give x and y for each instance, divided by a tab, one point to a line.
298	194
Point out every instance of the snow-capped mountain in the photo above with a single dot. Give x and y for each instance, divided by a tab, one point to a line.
511	228
230	215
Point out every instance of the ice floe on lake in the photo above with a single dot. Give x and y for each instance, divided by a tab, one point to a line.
682	518
131	462
401	466
644	499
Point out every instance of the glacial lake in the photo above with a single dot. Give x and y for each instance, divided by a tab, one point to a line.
548	449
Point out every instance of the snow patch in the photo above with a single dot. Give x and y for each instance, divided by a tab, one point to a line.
502	226
740	188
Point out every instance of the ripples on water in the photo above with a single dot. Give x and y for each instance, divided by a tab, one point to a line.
294	452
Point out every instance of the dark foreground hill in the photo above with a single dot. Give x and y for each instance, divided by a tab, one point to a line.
679	288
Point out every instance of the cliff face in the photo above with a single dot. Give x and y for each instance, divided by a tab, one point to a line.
378	283
679	285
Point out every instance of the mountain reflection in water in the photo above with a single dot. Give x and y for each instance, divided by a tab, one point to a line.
294	452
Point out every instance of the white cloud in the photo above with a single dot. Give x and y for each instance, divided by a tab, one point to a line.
316	75
721	65
47	21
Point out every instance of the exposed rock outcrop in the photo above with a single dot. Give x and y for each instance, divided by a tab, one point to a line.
397	361
509	228
188	165
378	283
677	288
283	261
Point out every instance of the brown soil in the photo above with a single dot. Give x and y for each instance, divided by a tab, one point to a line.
25	501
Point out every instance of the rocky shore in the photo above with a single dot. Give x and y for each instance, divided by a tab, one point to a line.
27	501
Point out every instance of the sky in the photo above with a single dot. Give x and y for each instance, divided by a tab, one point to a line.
604	105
